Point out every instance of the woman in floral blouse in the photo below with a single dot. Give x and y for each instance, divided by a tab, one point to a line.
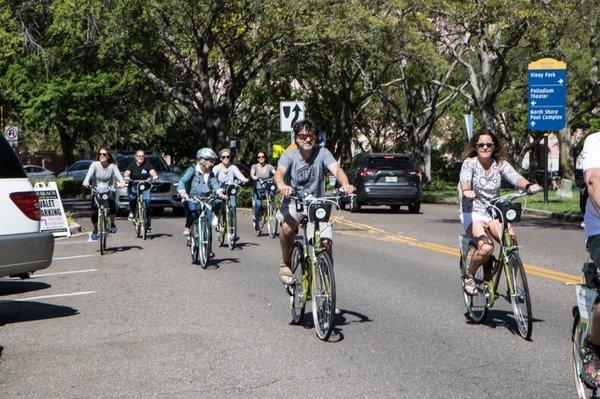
481	175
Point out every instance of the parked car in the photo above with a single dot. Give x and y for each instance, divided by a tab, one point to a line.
24	249
384	179
77	171
165	193
37	172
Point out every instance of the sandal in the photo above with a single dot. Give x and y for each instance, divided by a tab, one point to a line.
469	286
285	274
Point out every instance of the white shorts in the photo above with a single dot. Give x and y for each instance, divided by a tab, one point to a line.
466	219
290	210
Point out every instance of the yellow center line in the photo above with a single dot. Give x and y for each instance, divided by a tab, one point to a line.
366	231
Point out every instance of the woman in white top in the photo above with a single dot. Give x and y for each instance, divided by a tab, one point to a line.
481	175
227	173
103	173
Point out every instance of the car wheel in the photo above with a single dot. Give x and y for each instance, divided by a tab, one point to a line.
158	211
414	208
178	211
354	205
395	208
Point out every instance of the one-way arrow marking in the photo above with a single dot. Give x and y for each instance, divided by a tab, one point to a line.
560	81
296	110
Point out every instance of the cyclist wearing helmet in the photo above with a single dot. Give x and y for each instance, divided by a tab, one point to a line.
198	180
302	172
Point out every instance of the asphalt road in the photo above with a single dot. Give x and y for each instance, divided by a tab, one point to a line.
142	322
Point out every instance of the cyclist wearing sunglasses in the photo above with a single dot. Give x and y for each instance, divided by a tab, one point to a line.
101	174
481	174
302	172
140	169
261	170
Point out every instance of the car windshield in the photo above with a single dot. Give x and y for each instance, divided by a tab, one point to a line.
157	162
390	162
83	165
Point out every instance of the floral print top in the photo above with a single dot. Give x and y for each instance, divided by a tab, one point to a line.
485	184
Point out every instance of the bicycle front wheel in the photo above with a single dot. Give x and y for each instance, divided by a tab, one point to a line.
271	220
323	296
579	334
297	295
204	241
477	305
519	295
194	250
231	228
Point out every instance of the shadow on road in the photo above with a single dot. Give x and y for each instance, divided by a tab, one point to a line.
225	261
8	287
240	245
340	319
113	250
17	312
158	235
501	318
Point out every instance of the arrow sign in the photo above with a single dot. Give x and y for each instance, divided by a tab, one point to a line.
546	95
289	113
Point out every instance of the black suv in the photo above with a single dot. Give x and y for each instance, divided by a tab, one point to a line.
384	179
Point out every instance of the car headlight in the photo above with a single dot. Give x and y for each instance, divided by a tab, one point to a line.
320	213
511	215
175	184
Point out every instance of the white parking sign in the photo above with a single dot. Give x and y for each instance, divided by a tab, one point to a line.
289	113
11	133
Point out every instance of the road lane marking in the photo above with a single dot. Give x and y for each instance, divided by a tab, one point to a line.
54	296
73	257
382	235
61	273
73	242
71	236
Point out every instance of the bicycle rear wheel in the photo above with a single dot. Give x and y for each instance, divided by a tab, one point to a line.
477	305
297	291
271	220
578	337
323	296
519	298
143	220
231	229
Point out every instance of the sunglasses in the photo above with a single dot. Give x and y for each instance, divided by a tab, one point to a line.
140	156
260	157
225	157
484	145
304	136
103	154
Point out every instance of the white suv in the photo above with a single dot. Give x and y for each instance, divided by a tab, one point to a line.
24	249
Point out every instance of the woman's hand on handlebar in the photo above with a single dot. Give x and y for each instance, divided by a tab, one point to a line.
469	193
184	196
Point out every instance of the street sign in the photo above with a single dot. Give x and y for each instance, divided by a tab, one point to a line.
11	133
546	95
289	113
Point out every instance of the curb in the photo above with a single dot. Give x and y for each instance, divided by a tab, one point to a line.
75	228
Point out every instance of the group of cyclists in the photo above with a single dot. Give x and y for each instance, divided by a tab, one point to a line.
302	172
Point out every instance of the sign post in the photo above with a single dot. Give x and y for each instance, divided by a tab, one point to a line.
289	113
546	102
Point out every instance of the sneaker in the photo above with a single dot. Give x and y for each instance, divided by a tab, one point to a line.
94	235
113	229
130	217
149	230
186	231
215	221
590	358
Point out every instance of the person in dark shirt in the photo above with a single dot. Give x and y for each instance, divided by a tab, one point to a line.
140	169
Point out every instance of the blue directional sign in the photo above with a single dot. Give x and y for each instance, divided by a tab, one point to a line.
546	95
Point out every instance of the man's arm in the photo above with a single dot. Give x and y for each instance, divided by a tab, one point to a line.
341	177
283	188
592	180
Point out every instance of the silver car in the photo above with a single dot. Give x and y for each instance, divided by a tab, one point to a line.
77	171
164	194
38	173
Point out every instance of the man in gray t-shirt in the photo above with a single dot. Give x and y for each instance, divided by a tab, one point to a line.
302	172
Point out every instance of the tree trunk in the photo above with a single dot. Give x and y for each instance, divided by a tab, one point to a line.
566	154
67	143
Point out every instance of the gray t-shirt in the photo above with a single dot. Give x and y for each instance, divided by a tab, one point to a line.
307	177
262	175
98	176
485	184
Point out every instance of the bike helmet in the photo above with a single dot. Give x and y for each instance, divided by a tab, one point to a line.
206	153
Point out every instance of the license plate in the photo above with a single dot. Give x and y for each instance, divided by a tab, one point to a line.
391	179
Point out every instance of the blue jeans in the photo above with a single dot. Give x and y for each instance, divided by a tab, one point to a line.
147	194
257	196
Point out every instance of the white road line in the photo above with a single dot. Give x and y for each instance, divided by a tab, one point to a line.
73	257
73	242
72	235
54	296
60	273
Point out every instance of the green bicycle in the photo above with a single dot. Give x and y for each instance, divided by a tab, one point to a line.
139	220
487	278
227	226
312	266
200	238
269	206
102	196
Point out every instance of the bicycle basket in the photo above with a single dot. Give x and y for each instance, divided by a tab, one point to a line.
319	211
510	212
